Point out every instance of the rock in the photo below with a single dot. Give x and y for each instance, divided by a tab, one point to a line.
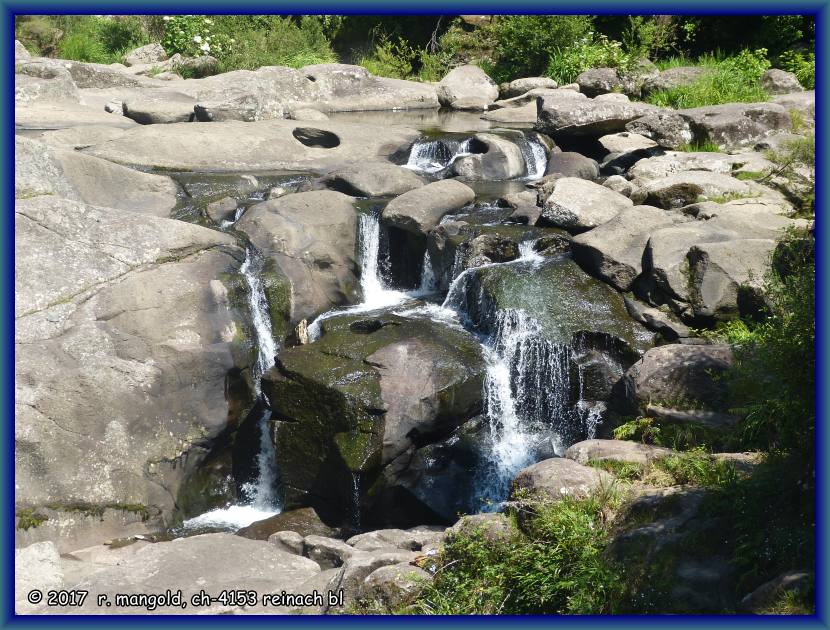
616	451
572	164
79	137
517	87
161	108
494	157
777	81
222	210
673	162
91	287
394	586
373	389
666	128
672	78
151	53
421	209
619	184
287	541
492	248
532	96
226	146
716	421
373	179
307	113
598	81
303	521
388	539
726	278
679	376
627	143
329	553
737	124
467	88
657	320
202	66
802	102
612	97
311	237
41	81
36	567
614	250
558	477
766	595
360	565
515	115
167	76
561	118
222	562
686	187
578	205
493	527
20	51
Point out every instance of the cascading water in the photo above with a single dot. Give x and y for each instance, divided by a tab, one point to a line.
535	156
375	292
432	156
260	496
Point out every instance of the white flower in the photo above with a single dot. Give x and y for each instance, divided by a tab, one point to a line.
197	39
207	21
206	47
166	18
233	41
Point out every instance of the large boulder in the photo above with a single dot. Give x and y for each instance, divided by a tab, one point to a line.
679	376
467	88
493	157
257	146
615	451
302	521
777	81
596	81
212	563
614	250
517	87
372	179
41	81
20	51
737	124
671	78
672	162
44	170
114	412
558	477
566	118
572	164
421	209
151	53
394	586
666	128
37	567
578	205
369	392
311	238
802	102
687	187
159	107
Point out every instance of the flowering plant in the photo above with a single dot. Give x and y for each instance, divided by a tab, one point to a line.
194	35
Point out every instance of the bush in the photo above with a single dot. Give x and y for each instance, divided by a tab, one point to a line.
99	40
732	80
195	35
556	566
802	65
525	44
588	52
390	58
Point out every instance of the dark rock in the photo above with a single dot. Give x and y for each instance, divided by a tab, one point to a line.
303	521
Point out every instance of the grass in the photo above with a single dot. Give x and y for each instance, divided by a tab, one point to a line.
701	146
680	437
554	565
731	80
696	467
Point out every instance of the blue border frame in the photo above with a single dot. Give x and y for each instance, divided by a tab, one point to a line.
819	8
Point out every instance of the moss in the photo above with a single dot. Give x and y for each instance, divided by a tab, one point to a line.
360	451
29	518
623	471
749	175
277	289
97	510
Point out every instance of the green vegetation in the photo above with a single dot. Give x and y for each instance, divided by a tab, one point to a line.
802	65
731	80
680	437
28	518
706	146
796	162
554	564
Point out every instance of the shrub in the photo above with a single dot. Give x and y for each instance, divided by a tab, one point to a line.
802	65
525	44
589	52
391	58
732	80
99	40
195	35
555	566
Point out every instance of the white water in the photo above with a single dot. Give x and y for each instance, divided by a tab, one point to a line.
432	156
376	294
536	158
260	496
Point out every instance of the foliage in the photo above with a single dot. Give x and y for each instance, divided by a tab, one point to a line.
195	35
650	36
797	163
391	58
98	40
525	44
555	566
696	467
706	146
589	52
680	437
731	80
802	65
773	380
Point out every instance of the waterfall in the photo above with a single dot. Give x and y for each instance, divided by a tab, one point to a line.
432	156
356	501
428	283
535	156
375	292
261	498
